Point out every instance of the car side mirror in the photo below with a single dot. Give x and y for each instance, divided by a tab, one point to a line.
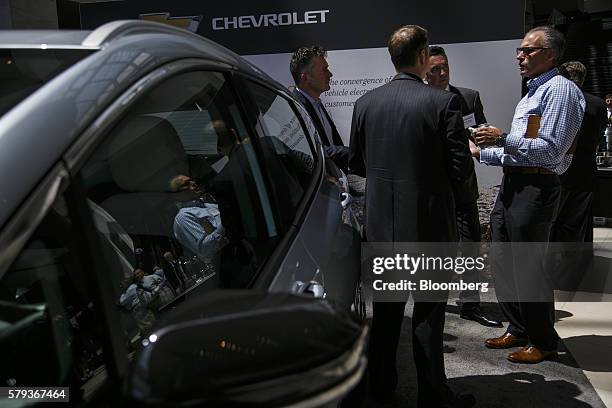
247	348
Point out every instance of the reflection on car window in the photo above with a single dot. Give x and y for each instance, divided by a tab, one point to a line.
49	333
178	199
286	148
189	126
23	71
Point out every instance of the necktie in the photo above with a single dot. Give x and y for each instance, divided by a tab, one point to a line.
325	121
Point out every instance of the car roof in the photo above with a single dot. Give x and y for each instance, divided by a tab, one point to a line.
36	38
112	32
36	133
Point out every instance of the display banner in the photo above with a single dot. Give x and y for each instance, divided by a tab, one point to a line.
479	36
267	27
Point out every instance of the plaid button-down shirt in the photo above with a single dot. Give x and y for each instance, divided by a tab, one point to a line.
560	104
190	233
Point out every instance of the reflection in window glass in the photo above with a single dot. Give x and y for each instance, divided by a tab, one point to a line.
195	130
23	71
286	149
279	120
50	334
178	200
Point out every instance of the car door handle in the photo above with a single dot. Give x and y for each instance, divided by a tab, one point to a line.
312	288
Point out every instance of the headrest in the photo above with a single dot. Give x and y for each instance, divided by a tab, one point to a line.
145	154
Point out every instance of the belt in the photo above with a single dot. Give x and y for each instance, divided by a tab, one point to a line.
527	170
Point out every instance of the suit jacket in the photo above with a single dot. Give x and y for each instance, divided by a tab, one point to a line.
408	140
470	103
333	145
582	173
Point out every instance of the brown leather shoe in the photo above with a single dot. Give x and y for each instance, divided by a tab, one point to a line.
531	355
507	340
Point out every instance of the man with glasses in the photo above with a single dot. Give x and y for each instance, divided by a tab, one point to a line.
466	210
533	155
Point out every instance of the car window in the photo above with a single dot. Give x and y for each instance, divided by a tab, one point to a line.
286	147
49	332
23	71
178	199
190	126
310	126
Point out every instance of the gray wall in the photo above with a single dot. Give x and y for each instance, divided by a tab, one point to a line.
5	15
28	14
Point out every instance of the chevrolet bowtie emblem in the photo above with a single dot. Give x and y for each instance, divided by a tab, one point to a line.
189	23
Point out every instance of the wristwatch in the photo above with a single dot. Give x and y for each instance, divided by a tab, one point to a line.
501	141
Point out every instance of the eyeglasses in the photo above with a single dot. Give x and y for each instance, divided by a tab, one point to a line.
529	50
438	68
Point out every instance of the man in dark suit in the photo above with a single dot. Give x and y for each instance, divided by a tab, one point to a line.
311	74
468	220
408	140
574	222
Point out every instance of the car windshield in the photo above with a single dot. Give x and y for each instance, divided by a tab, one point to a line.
23	71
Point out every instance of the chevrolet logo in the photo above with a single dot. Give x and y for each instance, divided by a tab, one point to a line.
189	23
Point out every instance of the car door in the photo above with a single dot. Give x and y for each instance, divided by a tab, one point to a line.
330	247
160	202
55	328
293	170
176	183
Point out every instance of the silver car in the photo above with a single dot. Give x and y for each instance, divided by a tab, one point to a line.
167	221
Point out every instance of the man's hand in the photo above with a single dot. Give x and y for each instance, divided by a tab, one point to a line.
475	150
207	226
487	136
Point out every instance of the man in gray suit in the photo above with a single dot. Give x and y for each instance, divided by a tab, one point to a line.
311	74
468	220
408	140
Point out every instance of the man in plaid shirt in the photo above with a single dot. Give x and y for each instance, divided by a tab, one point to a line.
536	150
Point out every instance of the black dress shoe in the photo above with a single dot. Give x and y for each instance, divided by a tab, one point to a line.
477	315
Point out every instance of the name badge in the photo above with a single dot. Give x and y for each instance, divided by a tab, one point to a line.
469	120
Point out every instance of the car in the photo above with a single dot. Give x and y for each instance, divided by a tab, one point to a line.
171	232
